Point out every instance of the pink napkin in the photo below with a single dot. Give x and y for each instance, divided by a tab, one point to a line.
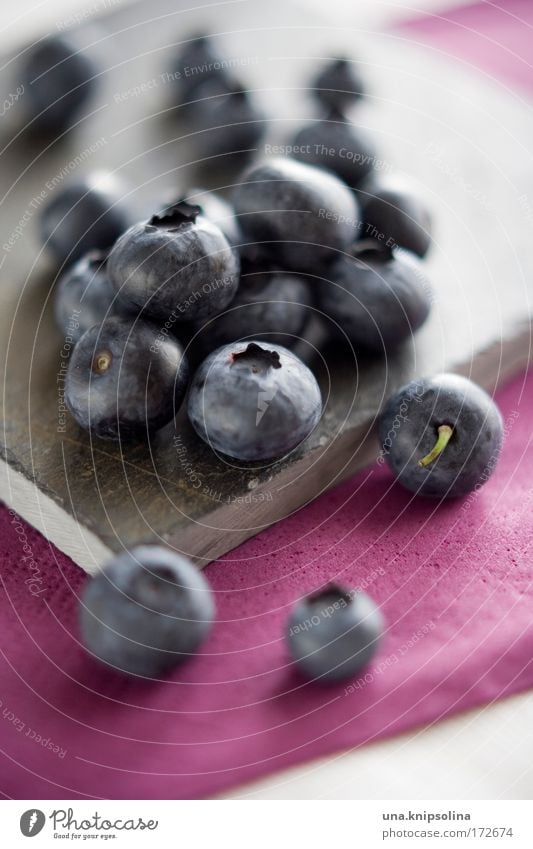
454	583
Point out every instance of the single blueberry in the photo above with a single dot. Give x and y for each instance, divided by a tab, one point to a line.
147	611
86	214
334	633
58	79
271	306
394	212
338	85
378	297
225	119
336	144
254	402
125	379
196	61
178	266
441	436
302	215
83	295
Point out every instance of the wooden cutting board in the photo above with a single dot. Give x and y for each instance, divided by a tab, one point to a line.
465	140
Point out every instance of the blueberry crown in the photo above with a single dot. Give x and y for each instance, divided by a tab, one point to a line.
175	215
259	359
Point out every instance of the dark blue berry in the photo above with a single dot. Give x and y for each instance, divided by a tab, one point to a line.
225	120
334	633
336	144
149	610
85	215
394	212
377	297
83	295
338	85
271	306
254	402
302	216
58	79
177	266
125	379
441	436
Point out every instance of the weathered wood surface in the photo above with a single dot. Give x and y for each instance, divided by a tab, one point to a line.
466	142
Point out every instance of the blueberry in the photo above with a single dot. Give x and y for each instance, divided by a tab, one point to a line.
225	119
86	214
336	144
254	402
302	215
149	610
338	85
196	62
178	266
334	633
125	379
394	212
58	80
441	436
378	297
271	306
84	295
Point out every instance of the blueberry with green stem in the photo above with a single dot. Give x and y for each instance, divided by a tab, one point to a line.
441	436
334	633
146	612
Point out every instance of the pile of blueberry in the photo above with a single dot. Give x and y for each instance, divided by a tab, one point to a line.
205	301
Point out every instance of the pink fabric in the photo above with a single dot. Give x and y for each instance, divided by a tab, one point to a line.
494	37
454	583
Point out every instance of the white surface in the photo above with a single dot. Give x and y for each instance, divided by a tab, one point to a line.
27	19
54	523
482	754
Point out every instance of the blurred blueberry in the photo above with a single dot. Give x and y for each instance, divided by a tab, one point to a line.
88	213
334	633
147	611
